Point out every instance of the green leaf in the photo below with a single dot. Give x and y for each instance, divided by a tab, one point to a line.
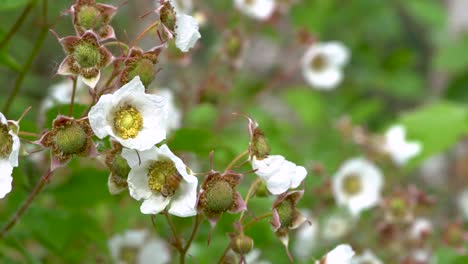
6	5
193	140
437	126
429	12
306	103
452	56
8	61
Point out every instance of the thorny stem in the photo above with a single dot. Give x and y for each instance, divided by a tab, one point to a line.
25	205
249	194
17	23
37	46
236	159
253	221
72	101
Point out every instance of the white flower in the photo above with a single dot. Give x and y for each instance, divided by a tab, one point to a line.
183	6
463	203
342	254
9	151
278	173
174	114
335	226
258	9
357	185
367	257
397	147
162	180
135	119
322	64
306	237
253	257
420	228
135	246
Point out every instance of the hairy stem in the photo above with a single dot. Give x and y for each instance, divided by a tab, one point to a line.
236	159
72	101
250	193
253	221
25	205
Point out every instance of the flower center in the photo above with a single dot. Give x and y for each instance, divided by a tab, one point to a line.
143	68
128	254
219	197
6	142
163	177
89	17
87	54
71	139
352	184
318	63
286	213
120	167
127	122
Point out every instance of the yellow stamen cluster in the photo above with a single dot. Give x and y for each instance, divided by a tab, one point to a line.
352	185
128	122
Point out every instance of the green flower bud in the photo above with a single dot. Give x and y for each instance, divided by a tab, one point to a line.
89	17
120	167
6	142
168	16
262	190
286	212
219	197
71	139
242	244
259	146
143	68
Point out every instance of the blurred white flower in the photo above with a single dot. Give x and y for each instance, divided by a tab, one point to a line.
342	254
357	185
463	203
161	179
135	119
9	151
136	247
335	226
367	257
183	6
253	257
278	173
322	64
306	237
257	9
420	228
175	116
397	147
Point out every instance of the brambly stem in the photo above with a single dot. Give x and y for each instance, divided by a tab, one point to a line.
25	205
37	46
72	101
236	159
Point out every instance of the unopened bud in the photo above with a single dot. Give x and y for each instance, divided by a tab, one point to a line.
259	146
89	17
242	244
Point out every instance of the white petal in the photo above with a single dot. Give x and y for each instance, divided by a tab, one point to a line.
154	205
299	176
336	52
183	204
397	147
367	257
137	158
3	119
342	254
91	82
326	79
186	31
154	252
98	115
13	158
5	177
135	87
268	166
258	9
138	182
